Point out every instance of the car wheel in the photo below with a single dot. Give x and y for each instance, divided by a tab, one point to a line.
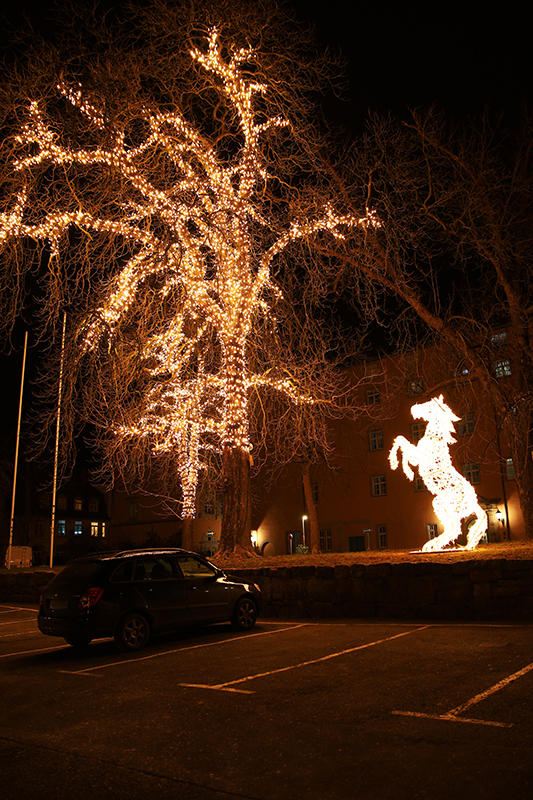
244	614
78	639
133	632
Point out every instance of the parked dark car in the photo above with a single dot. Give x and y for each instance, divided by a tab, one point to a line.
136	593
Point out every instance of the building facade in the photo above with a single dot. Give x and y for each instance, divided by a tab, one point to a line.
362	504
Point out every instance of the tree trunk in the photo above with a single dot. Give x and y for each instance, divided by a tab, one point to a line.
523	466
187	533
235	535
314	529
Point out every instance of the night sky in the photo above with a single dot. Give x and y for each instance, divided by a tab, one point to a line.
405	54
462	57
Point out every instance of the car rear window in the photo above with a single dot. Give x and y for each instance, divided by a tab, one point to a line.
81	573
122	573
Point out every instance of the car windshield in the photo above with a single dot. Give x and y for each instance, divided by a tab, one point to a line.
80	572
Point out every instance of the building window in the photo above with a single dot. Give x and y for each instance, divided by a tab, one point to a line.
375	440
509	469
382	536
93	504
419	484
78	504
209	508
39	527
62	501
379	485
502	369
45	500
315	492
465	426
471	472
326	544
103	529
133	510
373	397
61	527
415	387
499	340
78	528
431	530
94	529
417	431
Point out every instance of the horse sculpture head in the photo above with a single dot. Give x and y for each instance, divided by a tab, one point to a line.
438	416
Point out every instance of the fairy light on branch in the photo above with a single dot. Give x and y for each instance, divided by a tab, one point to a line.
198	225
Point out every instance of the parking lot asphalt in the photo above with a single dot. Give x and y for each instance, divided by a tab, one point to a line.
336	709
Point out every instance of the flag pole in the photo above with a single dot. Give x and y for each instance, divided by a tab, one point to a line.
16	455
56	455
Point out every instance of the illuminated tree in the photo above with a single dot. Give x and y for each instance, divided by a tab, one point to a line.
181	209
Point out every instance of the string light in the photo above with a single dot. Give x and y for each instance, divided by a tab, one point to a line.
455	498
205	215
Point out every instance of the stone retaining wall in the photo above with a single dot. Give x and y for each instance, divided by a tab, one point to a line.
465	590
23	586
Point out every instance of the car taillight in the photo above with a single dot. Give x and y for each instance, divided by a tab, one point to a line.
90	599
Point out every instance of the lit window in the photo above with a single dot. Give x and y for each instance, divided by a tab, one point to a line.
465	426
417	431
502	369
94	529
509	469
93	504
315	492
431	530
61	527
415	387
78	504
373	397
379	485
499	340
375	440
103	529
78	528
382	536
326	541
471	472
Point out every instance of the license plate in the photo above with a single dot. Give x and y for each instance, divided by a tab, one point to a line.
58	605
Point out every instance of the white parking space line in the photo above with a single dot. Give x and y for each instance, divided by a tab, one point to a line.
226	687
88	670
19	621
453	715
30	652
17	608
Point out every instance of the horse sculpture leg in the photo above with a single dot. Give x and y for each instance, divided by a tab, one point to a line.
409	455
451	523
477	529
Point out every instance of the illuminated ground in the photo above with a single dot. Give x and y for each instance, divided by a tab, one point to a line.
505	550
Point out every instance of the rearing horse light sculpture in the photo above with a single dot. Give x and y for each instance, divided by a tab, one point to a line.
455	498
